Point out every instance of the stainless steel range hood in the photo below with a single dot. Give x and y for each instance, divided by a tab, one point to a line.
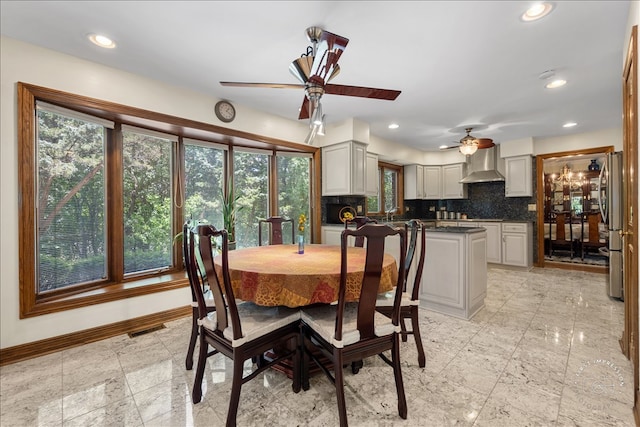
482	166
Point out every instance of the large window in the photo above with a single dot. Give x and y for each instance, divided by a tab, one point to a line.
70	199
388	198
294	189
102	201
204	181
147	200
251	187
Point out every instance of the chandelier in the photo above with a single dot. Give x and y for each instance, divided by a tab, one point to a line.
567	177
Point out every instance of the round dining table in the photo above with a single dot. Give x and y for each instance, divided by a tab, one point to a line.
278	275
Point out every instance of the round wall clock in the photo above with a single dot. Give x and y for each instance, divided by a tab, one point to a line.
225	111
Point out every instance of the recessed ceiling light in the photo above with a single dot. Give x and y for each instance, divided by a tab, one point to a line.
537	11
556	83
102	41
442	147
569	124
394	126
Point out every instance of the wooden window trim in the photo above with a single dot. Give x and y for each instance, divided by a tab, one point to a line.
400	186
32	304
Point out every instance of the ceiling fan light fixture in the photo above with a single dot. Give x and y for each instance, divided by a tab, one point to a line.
468	149
318	117
321	127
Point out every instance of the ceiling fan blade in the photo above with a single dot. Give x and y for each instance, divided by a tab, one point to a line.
485	143
330	47
266	85
306	109
362	92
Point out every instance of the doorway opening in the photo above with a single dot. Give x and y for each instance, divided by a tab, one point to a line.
571	230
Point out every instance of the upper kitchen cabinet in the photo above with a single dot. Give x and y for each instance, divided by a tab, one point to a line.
372	181
344	169
518	180
432	182
451	186
414	182
435	182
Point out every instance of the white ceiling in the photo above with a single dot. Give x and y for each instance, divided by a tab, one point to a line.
457	63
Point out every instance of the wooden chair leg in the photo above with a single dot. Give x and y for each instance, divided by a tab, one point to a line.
402	400
339	383
196	395
403	328
236	386
304	363
192	342
297	368
417	336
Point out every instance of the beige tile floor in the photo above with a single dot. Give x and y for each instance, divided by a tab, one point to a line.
543	352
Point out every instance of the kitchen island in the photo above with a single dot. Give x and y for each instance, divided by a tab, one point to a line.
454	280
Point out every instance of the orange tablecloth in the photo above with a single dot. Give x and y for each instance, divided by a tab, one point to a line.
278	275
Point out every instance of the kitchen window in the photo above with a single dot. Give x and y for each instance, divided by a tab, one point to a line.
102	201
387	199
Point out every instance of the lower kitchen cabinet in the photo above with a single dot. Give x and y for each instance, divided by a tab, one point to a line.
454	280
331	234
494	241
516	242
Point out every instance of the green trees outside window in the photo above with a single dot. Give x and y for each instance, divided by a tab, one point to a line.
70	201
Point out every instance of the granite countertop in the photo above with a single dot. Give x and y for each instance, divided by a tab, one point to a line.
465	230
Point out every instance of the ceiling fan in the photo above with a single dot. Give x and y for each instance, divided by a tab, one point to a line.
470	144
314	69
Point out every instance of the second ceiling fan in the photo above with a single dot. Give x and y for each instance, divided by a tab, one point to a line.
470	144
314	69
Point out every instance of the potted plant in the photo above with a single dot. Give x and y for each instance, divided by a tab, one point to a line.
229	211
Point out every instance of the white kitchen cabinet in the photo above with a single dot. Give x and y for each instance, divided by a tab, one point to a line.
494	241
518	180
432	183
451	186
413	182
373	180
454	280
331	234
344	169
516	241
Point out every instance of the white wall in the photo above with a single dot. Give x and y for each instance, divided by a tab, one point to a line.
601	138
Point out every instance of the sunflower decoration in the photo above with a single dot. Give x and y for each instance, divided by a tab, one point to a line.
347	214
302	221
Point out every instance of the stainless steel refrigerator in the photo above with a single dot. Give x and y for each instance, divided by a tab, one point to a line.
611	206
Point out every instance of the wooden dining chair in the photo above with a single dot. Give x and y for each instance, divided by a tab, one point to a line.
564	233
275	224
238	331
208	298
348	332
359	221
410	302
590	231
